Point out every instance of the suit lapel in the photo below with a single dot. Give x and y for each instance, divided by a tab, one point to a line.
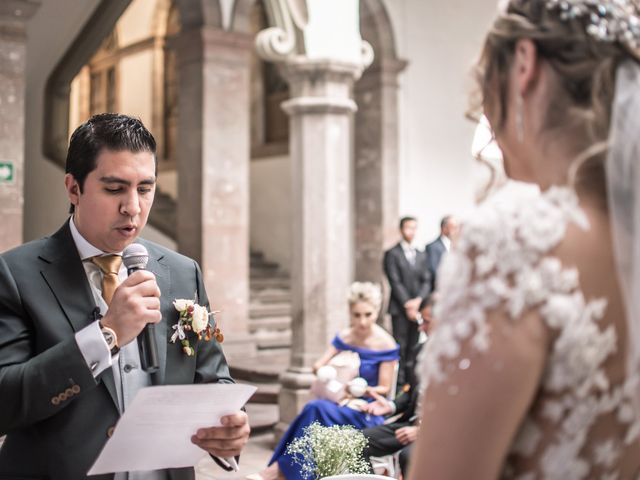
407	264
63	272
65	275
161	270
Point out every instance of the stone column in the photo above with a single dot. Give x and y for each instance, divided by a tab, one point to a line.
321	119
213	171
13	48
376	167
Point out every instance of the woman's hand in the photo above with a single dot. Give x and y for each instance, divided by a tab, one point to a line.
380	407
373	392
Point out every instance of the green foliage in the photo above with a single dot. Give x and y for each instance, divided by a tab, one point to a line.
325	451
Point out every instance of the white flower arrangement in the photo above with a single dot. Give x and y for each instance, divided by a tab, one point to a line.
194	318
325	451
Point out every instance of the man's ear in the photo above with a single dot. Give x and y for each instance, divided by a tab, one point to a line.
73	188
526	64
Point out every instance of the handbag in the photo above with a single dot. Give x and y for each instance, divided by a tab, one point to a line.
347	366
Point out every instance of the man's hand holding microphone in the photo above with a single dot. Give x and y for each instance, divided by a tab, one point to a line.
133	313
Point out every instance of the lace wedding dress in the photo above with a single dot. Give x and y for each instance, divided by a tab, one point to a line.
581	421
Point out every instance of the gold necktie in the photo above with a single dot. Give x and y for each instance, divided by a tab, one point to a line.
110	266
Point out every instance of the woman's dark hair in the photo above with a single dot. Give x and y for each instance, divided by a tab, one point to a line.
111	131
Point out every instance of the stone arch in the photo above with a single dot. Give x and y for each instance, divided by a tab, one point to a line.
58	89
376	144
193	13
166	26
200	13
376	28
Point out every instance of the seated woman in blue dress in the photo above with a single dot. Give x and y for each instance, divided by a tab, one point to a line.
378	353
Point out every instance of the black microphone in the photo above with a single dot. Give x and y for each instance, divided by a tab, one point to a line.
135	257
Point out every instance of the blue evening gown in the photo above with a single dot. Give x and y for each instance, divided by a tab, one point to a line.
328	413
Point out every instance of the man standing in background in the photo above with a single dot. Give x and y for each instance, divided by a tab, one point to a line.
449	228
408	274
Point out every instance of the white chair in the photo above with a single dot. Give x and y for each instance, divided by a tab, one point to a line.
389	465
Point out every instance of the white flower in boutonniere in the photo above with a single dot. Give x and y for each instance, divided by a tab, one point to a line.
194	318
199	318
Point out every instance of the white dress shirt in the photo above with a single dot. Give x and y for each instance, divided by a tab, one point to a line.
90	340
446	241
409	252
128	375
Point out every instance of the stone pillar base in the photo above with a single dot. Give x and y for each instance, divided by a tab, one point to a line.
294	394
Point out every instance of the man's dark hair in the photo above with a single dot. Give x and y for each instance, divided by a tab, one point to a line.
404	220
111	131
444	221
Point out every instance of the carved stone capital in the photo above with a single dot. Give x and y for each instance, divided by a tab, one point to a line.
300	105
367	53
320	86
288	18
275	44
298	68
382	73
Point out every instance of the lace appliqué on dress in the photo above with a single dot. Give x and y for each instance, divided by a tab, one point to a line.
503	260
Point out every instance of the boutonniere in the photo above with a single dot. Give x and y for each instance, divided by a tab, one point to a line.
194	318
404	390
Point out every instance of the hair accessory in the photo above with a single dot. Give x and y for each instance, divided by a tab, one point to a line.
608	20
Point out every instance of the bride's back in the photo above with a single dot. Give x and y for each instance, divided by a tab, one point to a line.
526	373
581	413
530	316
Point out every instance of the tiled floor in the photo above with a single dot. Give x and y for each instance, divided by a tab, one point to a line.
254	458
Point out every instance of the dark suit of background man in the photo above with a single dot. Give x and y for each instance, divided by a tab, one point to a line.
449	229
62	386
399	435
408	275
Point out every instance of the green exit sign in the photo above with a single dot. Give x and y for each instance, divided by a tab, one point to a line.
7	172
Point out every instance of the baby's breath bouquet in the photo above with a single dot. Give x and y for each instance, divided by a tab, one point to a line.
325	451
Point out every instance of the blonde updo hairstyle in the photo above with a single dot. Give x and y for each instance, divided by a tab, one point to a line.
365	292
585	67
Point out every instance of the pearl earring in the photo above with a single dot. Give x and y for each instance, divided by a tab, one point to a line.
520	118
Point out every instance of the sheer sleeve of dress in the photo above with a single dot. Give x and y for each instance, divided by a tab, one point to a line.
522	354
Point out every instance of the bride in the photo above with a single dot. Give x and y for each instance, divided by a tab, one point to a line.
532	370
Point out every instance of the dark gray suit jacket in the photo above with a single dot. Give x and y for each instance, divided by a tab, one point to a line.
434	251
406	281
55	414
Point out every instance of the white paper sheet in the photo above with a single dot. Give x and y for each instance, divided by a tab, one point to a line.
155	431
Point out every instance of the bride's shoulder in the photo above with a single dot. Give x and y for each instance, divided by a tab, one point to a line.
515	228
520	219
505	262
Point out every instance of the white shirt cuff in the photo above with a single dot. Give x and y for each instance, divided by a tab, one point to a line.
393	406
94	349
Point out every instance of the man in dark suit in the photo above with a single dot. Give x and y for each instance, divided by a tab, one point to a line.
408	275
449	229
401	433
69	317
